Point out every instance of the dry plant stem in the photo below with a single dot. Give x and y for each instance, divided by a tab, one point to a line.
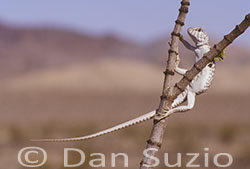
168	96
157	133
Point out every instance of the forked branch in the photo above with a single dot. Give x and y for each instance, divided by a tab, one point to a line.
168	93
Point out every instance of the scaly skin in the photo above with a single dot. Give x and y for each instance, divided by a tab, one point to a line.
202	80
199	85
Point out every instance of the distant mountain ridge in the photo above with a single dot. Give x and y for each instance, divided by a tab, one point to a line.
31	49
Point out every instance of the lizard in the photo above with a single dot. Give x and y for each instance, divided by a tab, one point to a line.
198	85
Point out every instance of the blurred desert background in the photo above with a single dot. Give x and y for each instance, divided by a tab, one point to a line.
57	82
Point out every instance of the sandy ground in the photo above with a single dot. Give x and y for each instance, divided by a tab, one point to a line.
80	99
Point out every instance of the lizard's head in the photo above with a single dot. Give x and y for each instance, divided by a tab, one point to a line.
198	35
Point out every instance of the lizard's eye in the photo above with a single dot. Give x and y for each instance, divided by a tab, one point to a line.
199	29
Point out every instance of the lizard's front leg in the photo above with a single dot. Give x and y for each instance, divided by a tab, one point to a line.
187	44
180	70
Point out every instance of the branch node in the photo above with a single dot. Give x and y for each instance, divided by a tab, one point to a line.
149	141
185	3
142	163
179	22
173	51
206	57
163	97
247	17
217	48
197	67
179	87
183	9
227	37
169	72
188	79
239	29
176	34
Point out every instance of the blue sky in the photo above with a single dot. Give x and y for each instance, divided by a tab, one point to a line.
141	20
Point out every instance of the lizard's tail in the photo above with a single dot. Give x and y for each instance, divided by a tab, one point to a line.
110	130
